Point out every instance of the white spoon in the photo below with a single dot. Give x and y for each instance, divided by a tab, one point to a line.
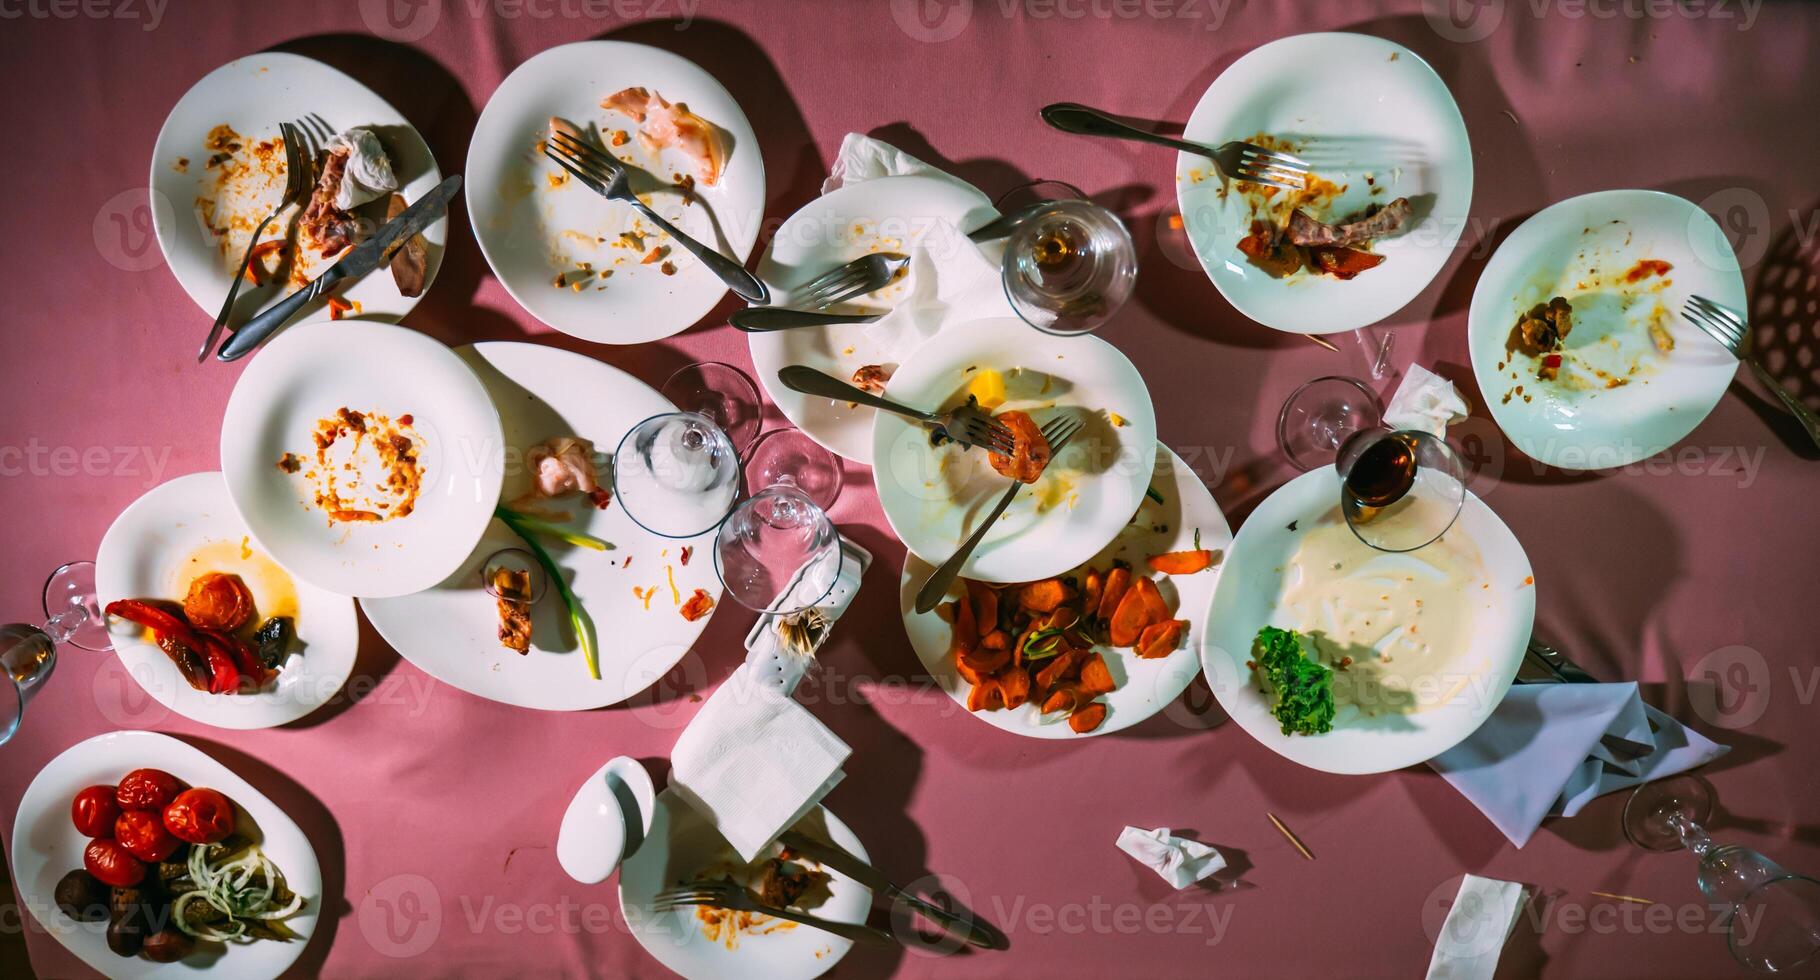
606	821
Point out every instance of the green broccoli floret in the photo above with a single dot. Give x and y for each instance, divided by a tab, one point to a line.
1303	687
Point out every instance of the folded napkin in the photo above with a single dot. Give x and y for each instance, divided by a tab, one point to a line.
753	762
1180	861
1471	939
1425	401
773	646
952	280
1549	749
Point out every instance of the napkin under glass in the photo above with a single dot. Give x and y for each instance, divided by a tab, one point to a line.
1426	401
1549	749
1179	861
1483	914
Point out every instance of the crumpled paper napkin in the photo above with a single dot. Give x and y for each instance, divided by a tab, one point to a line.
1179	861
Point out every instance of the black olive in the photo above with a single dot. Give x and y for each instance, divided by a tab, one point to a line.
124	936
168	945
82	897
273	641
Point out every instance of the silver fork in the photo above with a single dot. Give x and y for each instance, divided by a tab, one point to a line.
727	895
296	185
860	276
1732	333
604	174
1057	432
968	425
1238	159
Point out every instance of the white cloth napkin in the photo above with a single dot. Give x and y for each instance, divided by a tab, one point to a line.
952	280
1180	861
1471	939
1549	749
1426	401
782	668
369	170
753	762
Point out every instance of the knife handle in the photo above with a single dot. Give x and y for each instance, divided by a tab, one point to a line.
764	319
243	340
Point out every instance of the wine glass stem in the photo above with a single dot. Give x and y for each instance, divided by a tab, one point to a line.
1693	836
65	624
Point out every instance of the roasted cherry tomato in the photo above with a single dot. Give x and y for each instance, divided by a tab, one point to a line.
143	834
219	601
94	810
200	816
112	864
147	789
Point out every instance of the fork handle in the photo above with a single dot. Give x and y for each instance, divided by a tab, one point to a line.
764	319
227	307
1072	117
809	381
936	589
1802	413
744	284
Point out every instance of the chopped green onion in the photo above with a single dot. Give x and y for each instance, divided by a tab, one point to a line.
535	525
1153	495
1197	539
578	617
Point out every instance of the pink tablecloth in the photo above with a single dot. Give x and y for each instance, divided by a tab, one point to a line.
1692	573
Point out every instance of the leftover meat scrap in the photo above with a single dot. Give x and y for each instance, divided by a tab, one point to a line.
871	377
1030	451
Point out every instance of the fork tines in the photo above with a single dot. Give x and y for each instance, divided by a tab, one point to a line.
1058	431
586	150
988	433
1261	166
822	290
694	893
1716	321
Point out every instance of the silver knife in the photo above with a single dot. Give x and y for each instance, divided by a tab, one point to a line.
374	253
977	933
1002	225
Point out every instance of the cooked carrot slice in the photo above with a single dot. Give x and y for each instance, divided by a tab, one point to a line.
996	640
984	599
1117	582
1133	614
1087	717
1155	609
1014	687
1043	597
966	629
1056	669
985	661
1063	698
1090	592
1182	562
986	695
1159	639
968	674
1096	679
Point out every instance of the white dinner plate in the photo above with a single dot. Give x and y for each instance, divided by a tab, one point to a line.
1584	249
534	222
310	372
933	497
450	630
46	846
1249	597
1145	687
679	847
253	95
182	529
888	214
1354	107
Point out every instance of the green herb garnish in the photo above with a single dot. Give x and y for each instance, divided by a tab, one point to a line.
578	617
525	522
1153	495
1303	688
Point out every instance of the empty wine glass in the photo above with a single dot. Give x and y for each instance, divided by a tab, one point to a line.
788	457
777	552
1069	265
676	474
722	393
29	653
1400	488
1321	415
1773	923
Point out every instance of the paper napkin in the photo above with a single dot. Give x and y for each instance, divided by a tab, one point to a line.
1549	749
1180	861
1471	939
953	280
770	659
753	762
1426	401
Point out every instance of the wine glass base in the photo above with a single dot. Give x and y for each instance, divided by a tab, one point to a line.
1320	415
1650	804
788	457
73	586
724	394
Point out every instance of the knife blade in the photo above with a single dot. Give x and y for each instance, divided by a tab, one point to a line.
1002	225
374	253
977	933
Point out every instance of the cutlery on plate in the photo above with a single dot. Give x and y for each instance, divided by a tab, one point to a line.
1733	334
374	253
1002	225
1057	432
606	175
968	425
976	933
297	168
727	895
858	277
1237	159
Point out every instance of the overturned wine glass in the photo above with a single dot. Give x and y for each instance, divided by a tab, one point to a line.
29	653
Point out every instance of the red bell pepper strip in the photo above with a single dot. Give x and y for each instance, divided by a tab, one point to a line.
246	663
155	619
225	677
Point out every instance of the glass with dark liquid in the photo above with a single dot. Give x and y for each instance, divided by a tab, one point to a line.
1400	488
